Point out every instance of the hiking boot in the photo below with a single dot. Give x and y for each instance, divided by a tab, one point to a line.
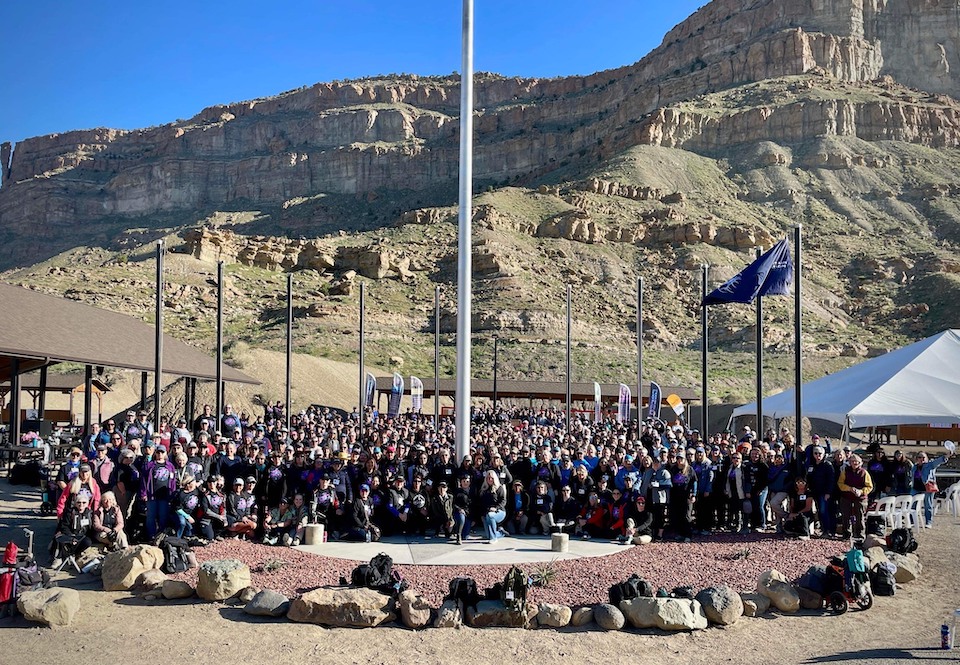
459	539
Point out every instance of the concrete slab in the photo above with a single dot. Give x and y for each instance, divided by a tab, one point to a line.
473	551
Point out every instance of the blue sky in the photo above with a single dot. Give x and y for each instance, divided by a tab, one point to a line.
98	63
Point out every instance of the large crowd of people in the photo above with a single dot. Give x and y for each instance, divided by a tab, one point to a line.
234	475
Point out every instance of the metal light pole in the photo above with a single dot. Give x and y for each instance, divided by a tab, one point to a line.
705	269
289	402
363	395
436	358
219	375
569	327
465	242
496	344
797	329
640	350
158	346
759	305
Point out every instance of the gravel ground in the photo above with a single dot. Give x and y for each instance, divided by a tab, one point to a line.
736	560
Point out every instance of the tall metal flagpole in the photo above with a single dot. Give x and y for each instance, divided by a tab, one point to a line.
496	346
158	347
363	392
436	358
703	352
289	402
759	349
569	326
465	244
797	327
219	373
640	349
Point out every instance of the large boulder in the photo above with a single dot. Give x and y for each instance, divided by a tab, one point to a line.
873	540
122	568
581	616
721	604
149	580
640	612
875	555
493	613
810	600
665	613
267	603
608	617
176	590
53	607
908	566
754	604
781	593
414	610
221	579
555	616
344	607
450	615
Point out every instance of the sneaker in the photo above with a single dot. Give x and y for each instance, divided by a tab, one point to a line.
296	542
686	540
501	534
459	539
287	539
56	563
585	536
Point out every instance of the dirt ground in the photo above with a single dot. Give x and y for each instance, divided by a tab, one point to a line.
116	627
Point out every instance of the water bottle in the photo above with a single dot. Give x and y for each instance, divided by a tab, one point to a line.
946	637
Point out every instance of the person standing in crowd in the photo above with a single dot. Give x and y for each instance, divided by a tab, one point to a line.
855	486
925	474
492	500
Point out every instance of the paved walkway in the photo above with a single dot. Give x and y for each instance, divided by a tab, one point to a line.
439	552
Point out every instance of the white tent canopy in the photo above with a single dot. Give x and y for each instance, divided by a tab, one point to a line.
914	385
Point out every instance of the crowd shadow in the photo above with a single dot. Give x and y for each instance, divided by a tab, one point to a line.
897	655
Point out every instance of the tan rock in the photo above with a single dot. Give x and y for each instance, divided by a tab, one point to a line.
343	607
122	568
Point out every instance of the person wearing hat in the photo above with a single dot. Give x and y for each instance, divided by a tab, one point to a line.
126	482
84	484
441	511
705	506
326	503
518	505
358	518
158	483
213	506
186	507
70	467
821	483
655	487
102	468
239	511
340	479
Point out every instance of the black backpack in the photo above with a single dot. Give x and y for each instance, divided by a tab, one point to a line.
902	541
683	592
514	590
815	579
634	587
174	555
26	473
876	526
464	589
882	580
374	575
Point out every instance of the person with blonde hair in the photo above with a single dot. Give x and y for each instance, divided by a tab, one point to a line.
108	523
85	484
493	504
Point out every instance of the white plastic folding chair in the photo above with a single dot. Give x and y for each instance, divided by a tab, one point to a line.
884	509
915	511
901	512
949	501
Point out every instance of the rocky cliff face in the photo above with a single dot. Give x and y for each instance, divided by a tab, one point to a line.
364	136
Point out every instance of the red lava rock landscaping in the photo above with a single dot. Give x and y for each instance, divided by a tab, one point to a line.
735	560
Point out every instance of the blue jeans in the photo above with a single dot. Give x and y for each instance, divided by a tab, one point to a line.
158	516
462	523
928	498
490	522
183	526
826	515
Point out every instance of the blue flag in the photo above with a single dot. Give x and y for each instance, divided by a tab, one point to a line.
654	406
769	275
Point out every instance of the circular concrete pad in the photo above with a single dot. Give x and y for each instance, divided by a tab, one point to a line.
473	551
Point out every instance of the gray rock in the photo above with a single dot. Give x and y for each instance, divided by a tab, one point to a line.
493	613
582	616
665	613
874	541
721	604
222	579
810	600
555	616
122	568
53	607
414	610
608	617
908	566
248	594
640	612
781	593
875	555
754	604
175	590
450	615
149	580
268	603
345	607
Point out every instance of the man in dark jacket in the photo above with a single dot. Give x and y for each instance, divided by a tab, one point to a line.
822	483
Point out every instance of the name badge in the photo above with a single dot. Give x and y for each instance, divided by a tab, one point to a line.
84	522
654	484
581	491
809	469
539	502
447	471
336	481
802	497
